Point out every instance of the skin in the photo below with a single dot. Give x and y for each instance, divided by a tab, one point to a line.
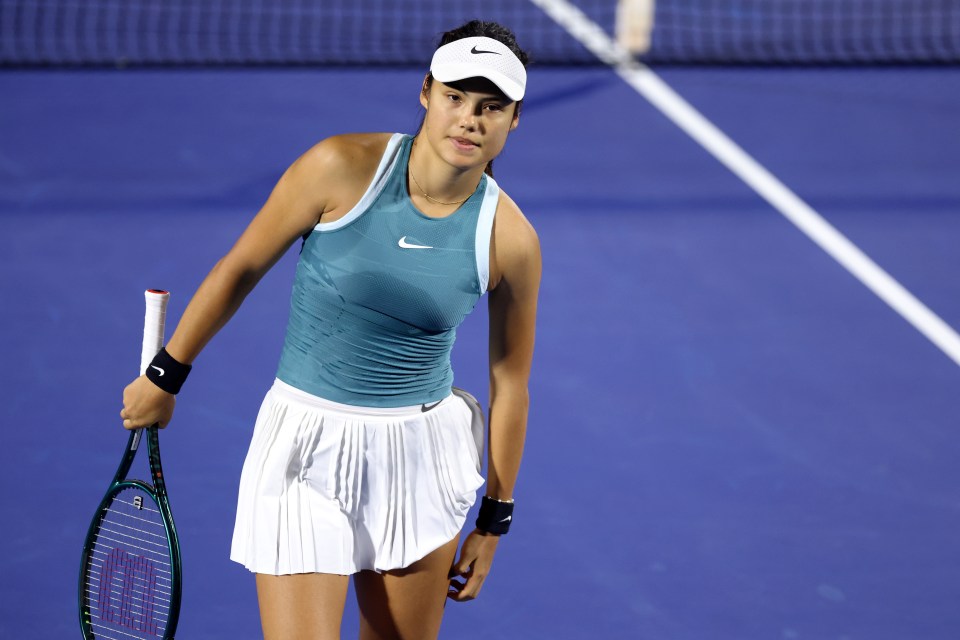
466	126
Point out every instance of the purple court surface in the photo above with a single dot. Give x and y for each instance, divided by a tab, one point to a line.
730	437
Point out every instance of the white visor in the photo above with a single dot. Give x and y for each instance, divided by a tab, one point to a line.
481	57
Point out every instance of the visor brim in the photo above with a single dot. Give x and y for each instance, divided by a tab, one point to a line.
453	72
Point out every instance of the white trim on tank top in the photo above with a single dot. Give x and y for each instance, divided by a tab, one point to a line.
488	209
484	230
387	162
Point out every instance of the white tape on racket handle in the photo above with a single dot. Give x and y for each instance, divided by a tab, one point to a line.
153	324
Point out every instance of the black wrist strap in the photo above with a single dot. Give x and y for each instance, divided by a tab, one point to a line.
495	516
167	373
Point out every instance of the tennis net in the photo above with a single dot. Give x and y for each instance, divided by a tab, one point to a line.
404	32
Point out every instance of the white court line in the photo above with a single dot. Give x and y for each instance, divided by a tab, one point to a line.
672	105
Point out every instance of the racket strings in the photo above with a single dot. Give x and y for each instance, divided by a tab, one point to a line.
128	577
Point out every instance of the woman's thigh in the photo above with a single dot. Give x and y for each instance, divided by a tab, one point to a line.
406	603
307	606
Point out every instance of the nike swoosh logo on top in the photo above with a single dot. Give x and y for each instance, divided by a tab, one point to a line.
424	408
406	245
476	51
153	366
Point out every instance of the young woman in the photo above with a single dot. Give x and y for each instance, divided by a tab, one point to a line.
364	459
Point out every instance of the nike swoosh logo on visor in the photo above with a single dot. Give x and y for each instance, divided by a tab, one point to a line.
406	245
476	51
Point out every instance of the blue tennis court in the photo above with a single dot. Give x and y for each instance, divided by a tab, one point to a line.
730	437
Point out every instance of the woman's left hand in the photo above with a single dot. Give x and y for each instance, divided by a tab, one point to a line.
476	556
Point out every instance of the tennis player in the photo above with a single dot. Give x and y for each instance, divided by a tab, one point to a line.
364	459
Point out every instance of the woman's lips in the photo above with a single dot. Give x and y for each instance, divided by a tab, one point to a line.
463	144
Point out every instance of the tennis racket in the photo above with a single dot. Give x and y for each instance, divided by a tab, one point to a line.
130	567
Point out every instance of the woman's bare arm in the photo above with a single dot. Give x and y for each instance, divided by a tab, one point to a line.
513	313
303	194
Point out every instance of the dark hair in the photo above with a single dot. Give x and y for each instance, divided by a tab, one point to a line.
478	28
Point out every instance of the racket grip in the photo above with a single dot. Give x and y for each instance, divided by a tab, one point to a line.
153	325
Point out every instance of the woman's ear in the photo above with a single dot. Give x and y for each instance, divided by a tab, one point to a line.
425	91
516	118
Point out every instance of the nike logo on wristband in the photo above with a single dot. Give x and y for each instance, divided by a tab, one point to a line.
507	519
153	366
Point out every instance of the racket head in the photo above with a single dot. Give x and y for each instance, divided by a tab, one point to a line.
130	577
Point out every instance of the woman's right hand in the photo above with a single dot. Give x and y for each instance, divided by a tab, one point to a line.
145	404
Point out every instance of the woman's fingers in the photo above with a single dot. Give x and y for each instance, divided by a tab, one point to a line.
145	404
476	558
466	591
461	567
472	580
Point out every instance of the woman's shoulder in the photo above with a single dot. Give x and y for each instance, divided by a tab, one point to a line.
511	223
339	169
515	251
348	153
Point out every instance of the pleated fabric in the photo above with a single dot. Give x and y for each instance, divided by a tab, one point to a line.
334	488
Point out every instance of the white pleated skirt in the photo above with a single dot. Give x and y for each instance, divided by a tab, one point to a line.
335	488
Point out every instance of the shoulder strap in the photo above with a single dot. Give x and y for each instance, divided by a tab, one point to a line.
380	178
488	210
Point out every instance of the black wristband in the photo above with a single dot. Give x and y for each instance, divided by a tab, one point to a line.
495	516
167	373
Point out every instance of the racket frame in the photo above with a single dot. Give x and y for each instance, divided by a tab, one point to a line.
154	320
158	493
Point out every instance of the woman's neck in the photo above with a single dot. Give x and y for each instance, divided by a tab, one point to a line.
435	181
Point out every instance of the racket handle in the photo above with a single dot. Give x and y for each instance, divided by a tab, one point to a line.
153	325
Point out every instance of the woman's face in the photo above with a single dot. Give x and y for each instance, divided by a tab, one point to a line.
467	122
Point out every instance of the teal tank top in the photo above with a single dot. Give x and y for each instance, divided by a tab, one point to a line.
379	293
